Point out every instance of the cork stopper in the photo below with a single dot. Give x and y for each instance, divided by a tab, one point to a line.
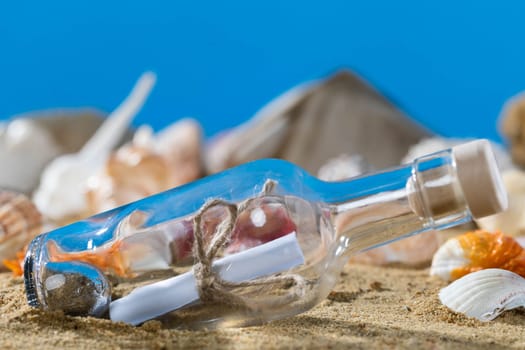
479	178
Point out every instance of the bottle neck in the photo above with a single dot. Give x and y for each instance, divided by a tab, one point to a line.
374	210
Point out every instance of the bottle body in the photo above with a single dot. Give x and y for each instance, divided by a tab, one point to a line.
88	267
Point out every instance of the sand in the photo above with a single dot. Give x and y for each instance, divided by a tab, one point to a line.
371	307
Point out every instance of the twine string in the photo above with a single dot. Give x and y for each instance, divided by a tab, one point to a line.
210	286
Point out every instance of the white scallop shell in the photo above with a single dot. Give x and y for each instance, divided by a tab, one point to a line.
448	257
485	294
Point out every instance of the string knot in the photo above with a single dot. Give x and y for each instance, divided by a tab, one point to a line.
210	286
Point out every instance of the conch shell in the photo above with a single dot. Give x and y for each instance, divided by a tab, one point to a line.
485	294
30	140
512	220
20	222
474	251
149	165
62	185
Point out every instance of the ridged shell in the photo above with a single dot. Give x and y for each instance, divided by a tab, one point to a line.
485	294
449	256
20	221
475	251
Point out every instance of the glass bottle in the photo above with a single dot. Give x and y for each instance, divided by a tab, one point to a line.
255	243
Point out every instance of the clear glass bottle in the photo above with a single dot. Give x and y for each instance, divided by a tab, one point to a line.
255	243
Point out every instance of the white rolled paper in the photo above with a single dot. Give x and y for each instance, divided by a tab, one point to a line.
147	302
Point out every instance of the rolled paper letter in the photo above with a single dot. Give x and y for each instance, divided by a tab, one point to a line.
158	298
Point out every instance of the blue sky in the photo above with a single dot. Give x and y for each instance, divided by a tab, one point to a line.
448	64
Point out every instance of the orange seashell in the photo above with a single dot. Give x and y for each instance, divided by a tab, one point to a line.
490	250
107	258
20	221
478	250
16	265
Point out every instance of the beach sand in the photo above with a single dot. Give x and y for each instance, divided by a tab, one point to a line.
371	307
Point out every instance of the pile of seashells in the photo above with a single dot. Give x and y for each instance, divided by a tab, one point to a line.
76	163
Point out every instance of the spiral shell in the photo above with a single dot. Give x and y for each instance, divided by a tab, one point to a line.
20	221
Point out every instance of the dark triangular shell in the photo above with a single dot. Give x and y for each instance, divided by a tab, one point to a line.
314	123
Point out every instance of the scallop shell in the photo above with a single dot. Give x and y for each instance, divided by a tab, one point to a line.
475	251
20	221
485	294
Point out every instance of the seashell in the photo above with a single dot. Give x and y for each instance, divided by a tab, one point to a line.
63	182
131	173
475	251
25	149
30	140
485	294
318	121
70	128
181	144
149	165
512	125
512	220
20	222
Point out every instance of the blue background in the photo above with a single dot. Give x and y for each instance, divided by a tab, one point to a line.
449	64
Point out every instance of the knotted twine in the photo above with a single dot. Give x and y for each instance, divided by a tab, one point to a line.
210	286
